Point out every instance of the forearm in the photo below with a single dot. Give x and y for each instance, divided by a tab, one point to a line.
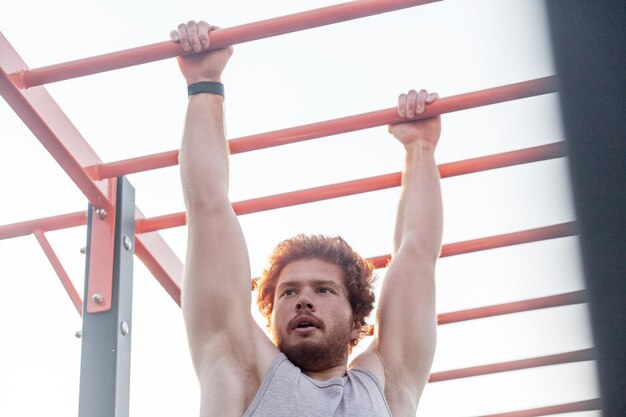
204	154
216	286
419	223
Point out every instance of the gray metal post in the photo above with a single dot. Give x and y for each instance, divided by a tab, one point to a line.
105	358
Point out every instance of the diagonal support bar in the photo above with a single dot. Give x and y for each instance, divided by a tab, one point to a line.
43	116
219	39
60	271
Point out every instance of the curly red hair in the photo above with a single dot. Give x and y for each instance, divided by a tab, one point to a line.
358	274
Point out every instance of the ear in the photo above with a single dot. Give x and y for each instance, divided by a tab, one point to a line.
356	330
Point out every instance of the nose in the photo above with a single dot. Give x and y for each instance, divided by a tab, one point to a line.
304	303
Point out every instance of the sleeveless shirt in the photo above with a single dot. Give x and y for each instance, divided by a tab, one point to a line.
287	392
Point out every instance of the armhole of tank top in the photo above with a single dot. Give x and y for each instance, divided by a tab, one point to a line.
269	375
374	378
370	374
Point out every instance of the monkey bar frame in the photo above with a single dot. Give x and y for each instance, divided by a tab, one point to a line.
22	88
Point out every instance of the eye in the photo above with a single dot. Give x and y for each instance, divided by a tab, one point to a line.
324	290
287	292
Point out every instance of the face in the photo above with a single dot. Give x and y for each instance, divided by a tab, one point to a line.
312	322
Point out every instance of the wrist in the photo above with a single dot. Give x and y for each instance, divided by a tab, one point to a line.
420	147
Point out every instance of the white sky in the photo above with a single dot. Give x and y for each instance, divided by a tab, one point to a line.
452	47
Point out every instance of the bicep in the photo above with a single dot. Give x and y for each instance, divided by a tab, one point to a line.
216	287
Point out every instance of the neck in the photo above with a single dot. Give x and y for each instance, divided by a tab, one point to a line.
326	374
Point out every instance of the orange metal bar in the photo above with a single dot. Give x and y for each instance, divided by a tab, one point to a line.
60	137
505	159
526	236
499	241
333	127
576	297
561	358
523	156
588	405
50	125
47	224
58	268
534	154
219	39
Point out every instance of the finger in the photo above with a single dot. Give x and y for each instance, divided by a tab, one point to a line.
184	37
194	40
420	101
174	36
410	103
402	105
431	97
203	33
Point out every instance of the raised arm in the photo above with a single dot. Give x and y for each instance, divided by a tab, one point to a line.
216	287
406	320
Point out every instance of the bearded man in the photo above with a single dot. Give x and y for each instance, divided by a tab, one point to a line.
316	292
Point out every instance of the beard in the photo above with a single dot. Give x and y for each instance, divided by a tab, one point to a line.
317	354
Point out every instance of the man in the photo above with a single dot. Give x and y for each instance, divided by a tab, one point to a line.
315	313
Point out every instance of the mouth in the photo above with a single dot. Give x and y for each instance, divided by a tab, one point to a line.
305	323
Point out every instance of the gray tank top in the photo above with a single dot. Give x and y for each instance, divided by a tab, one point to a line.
287	392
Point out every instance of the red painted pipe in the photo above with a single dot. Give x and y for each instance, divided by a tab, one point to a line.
538	153
219	39
587	405
576	297
522	156
567	357
60	271
337	126
499	241
47	224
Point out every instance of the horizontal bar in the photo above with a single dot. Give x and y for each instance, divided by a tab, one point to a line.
576	297
468	166
43	116
587	405
499	241
60	271
219	39
494	242
59	136
561	358
523	156
509	239
47	224
559	300
337	126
